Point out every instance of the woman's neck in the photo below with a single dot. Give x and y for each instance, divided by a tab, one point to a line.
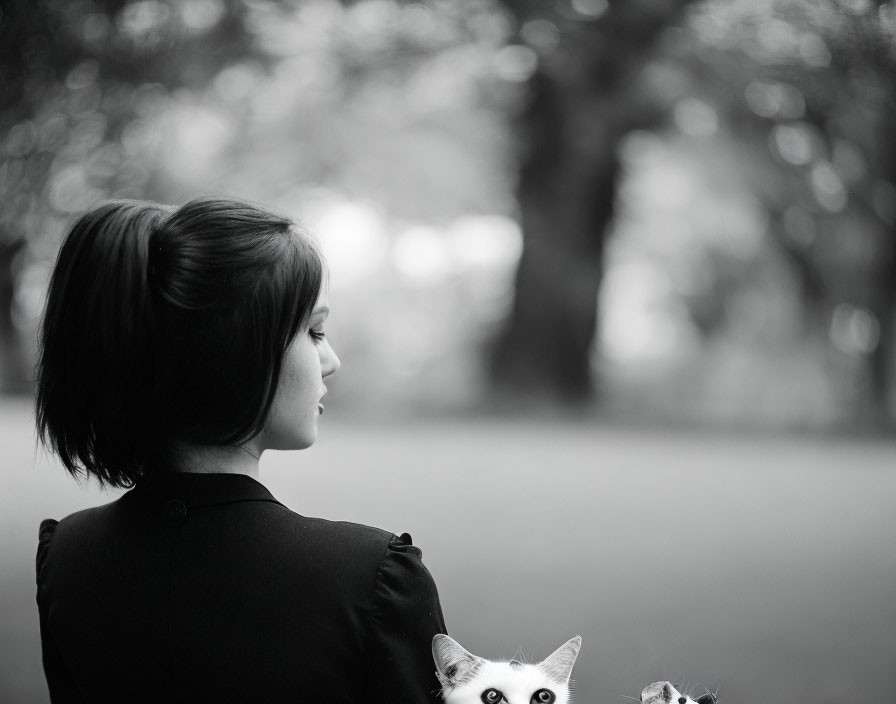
218	459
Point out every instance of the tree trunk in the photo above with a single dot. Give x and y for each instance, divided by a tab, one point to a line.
15	367
583	100
882	363
566	191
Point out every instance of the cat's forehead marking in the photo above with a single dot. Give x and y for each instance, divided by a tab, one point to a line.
516	683
516	664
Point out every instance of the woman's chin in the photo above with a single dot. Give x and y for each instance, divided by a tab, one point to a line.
284	442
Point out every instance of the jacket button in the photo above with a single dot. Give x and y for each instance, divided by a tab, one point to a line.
175	512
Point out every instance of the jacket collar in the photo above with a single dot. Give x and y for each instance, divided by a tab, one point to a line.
195	489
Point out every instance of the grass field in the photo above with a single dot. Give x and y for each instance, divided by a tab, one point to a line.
763	566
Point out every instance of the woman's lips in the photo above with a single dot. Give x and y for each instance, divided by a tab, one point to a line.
320	408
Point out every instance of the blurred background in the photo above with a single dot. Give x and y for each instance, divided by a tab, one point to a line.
613	285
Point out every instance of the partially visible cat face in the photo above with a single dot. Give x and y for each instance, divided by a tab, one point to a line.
469	679
665	693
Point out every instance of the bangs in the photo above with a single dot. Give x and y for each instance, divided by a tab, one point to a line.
305	275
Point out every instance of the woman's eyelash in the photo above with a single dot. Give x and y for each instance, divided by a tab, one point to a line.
317	334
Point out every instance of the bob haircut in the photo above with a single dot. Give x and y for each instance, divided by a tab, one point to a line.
166	325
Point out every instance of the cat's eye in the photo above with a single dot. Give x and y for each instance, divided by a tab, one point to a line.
492	696
543	696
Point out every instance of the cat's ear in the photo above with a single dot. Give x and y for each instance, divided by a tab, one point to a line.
659	693
558	665
454	665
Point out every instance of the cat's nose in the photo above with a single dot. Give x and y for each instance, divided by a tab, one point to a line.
682	700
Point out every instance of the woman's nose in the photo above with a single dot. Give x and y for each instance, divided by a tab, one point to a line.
329	363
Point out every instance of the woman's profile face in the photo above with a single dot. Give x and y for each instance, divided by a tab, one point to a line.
309	359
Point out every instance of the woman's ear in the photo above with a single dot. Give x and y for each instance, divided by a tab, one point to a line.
454	665
558	665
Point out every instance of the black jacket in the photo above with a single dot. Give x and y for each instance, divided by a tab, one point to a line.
203	587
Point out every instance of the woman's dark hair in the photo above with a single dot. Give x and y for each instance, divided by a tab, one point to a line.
167	325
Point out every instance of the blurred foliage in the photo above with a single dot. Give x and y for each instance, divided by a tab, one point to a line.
366	121
807	89
775	161
719	174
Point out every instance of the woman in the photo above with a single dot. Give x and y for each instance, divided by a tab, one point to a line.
177	346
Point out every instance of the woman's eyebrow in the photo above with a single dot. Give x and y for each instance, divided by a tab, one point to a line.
323	310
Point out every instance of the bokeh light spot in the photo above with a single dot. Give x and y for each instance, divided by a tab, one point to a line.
592	9
827	187
854	331
83	75
639	320
420	253
353	239
139	19
200	132
488	241
695	117
516	63
201	15
814	51
770	99
793	143
237	82
21	139
70	190
542	35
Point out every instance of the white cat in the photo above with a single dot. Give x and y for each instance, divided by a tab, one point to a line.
665	693
469	679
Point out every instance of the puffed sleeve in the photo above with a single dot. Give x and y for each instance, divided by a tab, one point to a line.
59	680
405	615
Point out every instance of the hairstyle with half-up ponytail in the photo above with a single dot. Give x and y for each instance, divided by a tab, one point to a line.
166	325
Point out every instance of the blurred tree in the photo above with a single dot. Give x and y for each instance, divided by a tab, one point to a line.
272	99
584	97
810	86
806	87
378	114
78	80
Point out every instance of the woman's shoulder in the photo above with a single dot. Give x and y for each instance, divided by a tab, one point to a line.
366	551
345	529
46	530
51	529
45	534
348	530
388	569
380	544
51	532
